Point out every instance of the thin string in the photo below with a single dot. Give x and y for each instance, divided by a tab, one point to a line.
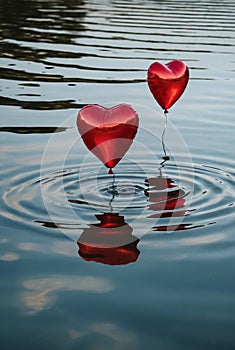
163	136
165	157
113	191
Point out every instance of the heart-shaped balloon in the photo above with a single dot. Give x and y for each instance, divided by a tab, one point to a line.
108	132
167	82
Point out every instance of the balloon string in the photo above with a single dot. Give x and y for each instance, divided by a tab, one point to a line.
165	157
113	191
163	136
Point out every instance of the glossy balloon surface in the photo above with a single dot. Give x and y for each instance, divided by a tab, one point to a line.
108	132
167	82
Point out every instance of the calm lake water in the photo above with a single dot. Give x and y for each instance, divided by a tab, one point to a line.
167	281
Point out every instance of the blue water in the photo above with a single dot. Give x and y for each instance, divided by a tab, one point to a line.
177	289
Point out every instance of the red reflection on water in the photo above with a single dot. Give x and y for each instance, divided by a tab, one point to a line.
171	227
165	197
176	227
166	200
109	242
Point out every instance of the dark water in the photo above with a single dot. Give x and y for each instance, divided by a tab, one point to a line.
167	281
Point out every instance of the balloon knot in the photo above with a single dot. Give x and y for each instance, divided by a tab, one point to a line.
110	171
166	111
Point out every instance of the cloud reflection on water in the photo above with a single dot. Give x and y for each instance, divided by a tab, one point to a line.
106	334
41	293
9	257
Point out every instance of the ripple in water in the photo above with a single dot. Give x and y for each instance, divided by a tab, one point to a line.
176	198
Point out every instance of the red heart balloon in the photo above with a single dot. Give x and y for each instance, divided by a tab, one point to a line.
108	132
167	82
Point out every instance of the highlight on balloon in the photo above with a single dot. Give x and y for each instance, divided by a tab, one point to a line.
108	132
167	82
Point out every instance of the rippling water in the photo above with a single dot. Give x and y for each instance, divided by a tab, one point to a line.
142	258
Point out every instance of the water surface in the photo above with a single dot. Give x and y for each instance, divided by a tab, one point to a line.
171	284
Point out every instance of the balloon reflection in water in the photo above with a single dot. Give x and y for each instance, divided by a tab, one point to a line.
166	200
109	242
